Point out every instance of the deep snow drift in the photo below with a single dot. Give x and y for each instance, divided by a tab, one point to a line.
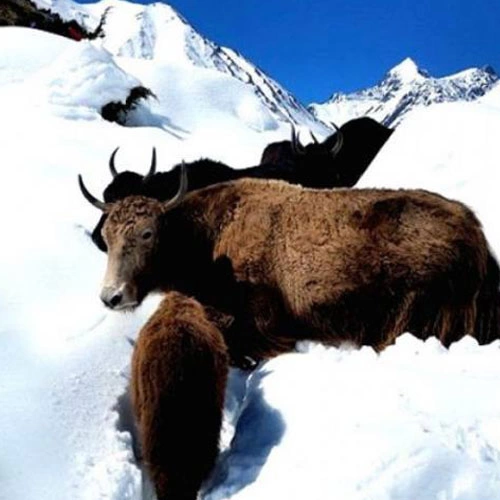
417	421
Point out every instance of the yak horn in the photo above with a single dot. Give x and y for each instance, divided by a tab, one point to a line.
112	167
339	142
90	198
152	168
183	187
314	137
296	145
114	172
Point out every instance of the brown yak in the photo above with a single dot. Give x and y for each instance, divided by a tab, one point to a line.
275	263
177	409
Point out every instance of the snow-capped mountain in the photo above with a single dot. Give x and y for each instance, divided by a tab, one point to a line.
416	421
157	32
404	88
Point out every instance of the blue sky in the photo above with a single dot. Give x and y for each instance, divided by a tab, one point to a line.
317	47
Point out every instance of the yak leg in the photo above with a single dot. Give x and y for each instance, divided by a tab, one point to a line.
262	327
487	326
472	309
179	371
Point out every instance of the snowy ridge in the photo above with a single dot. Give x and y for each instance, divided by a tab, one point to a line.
158	33
404	88
68	10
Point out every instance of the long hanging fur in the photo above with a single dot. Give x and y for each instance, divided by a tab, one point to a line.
179	370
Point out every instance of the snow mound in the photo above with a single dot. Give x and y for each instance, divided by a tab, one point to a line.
75	79
33	51
202	93
84	77
328	423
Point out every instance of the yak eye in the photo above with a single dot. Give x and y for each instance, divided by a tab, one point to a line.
146	235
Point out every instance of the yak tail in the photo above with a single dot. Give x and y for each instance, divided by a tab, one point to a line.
487	327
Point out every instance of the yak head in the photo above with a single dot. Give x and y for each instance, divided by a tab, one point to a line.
122	185
315	151
132	235
314	161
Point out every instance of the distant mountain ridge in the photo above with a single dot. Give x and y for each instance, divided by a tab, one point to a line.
404	88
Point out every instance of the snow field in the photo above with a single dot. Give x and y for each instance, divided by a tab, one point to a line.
416	422
328	423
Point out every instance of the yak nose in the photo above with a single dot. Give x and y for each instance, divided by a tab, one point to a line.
111	298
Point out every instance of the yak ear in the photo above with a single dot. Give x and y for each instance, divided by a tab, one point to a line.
181	193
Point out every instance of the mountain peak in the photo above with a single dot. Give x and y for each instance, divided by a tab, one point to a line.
403	88
490	70
407	71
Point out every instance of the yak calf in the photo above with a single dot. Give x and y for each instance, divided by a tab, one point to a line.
179	370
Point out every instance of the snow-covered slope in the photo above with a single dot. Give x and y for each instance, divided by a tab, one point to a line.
492	98
417	421
156	32
404	88
452	149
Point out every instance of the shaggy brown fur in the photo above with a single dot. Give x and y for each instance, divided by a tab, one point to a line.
290	263
179	370
277	263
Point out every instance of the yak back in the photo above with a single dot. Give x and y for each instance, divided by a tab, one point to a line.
311	251
359	226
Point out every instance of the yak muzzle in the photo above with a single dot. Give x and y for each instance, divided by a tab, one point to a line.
118	298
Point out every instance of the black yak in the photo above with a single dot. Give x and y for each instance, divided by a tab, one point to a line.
338	161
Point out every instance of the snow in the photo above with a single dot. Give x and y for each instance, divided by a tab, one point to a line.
404	88
492	98
69	10
157	33
31	53
85	76
407	71
340	423
417	421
